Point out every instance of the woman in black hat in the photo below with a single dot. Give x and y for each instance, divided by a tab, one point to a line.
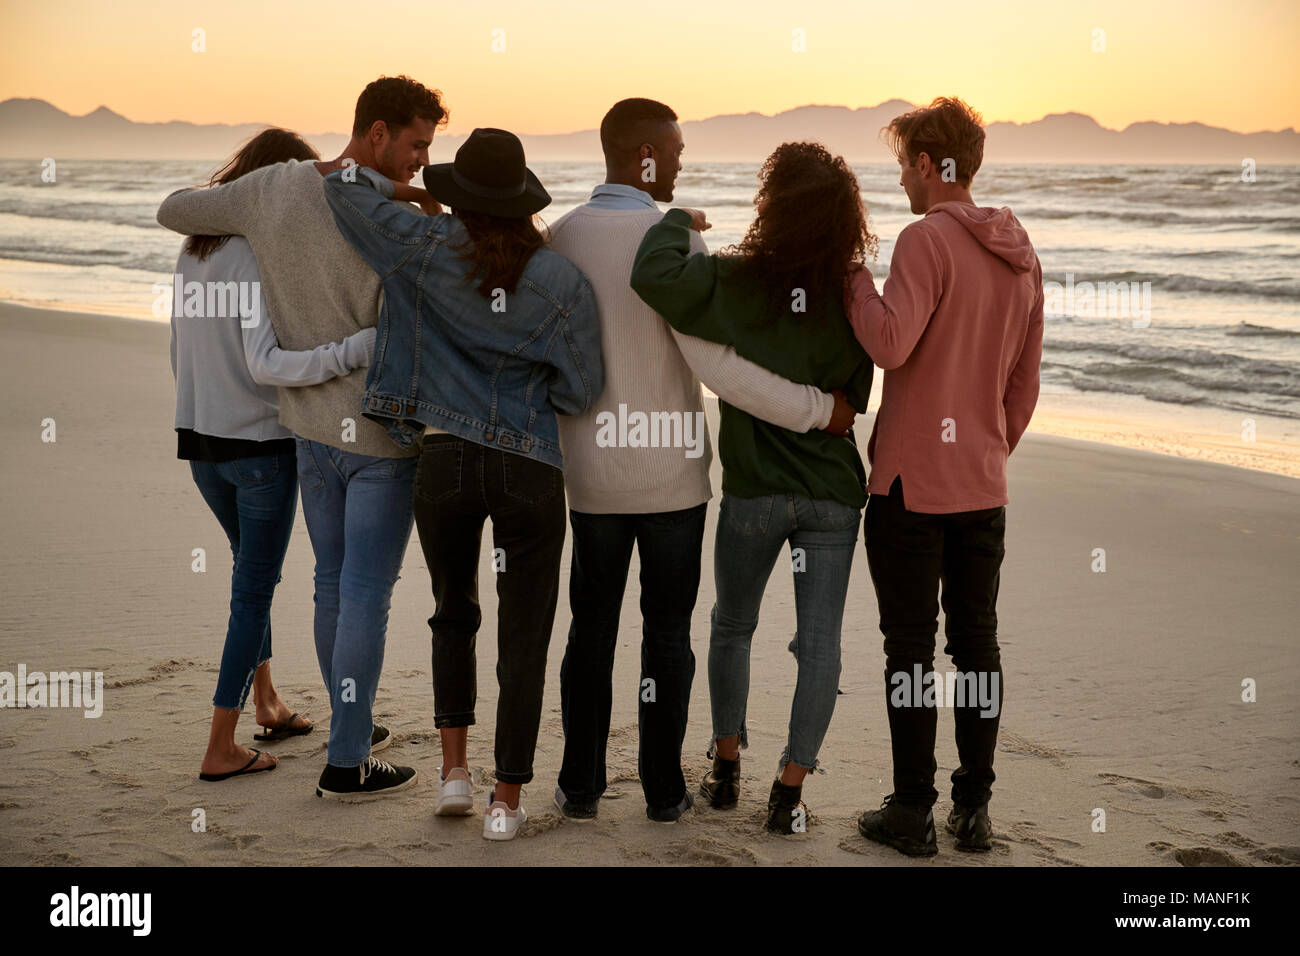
484	336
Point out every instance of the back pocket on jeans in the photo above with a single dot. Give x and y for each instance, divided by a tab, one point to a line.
257	470
309	473
835	516
438	476
528	480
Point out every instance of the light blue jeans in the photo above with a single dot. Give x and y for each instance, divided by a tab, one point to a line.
751	533
359	518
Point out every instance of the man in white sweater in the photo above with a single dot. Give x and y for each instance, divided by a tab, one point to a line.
636	470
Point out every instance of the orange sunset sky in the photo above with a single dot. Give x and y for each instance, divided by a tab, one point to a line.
564	61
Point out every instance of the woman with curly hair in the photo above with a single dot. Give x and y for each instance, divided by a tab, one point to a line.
777	297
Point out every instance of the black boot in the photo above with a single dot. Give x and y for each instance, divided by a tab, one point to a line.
971	827
786	813
908	830
721	785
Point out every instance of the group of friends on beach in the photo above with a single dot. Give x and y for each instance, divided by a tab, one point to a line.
550	379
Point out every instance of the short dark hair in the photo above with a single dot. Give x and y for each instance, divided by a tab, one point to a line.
631	122
397	100
946	129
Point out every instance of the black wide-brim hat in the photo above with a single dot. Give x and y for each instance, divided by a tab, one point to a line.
490	176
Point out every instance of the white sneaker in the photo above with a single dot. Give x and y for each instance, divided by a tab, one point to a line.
455	794
500	822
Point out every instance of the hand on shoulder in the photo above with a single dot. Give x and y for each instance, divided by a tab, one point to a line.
699	221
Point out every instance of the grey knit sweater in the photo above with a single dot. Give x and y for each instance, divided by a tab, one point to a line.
318	289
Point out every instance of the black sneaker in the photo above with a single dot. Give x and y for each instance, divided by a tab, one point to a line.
672	814
721	785
380	738
374	778
786	813
971	827
572	810
908	830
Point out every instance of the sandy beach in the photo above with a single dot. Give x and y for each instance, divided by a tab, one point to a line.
1123	688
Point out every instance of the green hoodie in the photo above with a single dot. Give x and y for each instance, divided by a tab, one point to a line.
702	295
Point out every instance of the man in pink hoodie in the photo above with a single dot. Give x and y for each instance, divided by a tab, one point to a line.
959	333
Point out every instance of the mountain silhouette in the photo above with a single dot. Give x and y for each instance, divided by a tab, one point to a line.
34	129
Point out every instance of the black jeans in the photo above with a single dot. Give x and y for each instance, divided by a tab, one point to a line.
459	484
669	545
910	554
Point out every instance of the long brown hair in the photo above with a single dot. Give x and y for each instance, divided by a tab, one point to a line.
272	145
811	224
499	248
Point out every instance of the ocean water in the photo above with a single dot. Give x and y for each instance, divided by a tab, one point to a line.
1177	285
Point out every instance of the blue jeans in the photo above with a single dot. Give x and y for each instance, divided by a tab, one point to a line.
751	532
255	500
359	518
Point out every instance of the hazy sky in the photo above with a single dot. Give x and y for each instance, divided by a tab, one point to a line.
564	62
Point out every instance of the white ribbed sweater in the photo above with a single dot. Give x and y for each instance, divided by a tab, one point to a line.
651	368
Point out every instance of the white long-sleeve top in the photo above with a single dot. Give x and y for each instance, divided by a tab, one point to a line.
225	357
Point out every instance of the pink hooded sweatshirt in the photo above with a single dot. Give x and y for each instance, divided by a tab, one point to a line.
959	333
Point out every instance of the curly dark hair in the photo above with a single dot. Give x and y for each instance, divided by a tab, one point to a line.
811	225
397	100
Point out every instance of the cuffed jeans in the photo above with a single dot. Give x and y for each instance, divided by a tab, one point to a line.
669	545
358	511
910	555
751	532
460	485
254	499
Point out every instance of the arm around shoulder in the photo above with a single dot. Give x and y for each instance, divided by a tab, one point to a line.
269	364
384	232
579	365
670	278
231	209
889	326
754	389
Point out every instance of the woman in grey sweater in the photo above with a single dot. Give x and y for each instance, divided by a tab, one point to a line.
228	366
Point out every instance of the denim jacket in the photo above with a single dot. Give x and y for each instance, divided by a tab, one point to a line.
444	355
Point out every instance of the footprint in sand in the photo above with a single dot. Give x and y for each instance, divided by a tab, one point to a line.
1013	743
1278	855
1195	855
1159	791
705	850
156	672
1047	846
1273	855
